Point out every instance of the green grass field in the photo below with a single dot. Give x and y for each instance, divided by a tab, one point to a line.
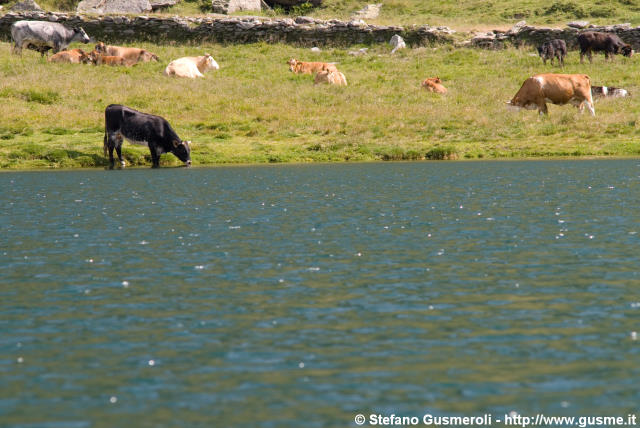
254	110
462	15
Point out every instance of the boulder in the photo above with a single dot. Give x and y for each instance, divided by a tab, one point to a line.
370	11
229	6
162	4
397	42
114	6
25	5
578	24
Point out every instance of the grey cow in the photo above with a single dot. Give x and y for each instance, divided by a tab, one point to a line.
43	35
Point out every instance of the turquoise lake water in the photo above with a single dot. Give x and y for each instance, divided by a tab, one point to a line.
303	295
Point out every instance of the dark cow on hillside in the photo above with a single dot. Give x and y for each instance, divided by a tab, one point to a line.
44	35
141	128
610	44
556	48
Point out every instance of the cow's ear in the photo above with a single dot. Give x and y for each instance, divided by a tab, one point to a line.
188	143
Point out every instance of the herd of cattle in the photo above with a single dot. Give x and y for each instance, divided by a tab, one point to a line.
122	122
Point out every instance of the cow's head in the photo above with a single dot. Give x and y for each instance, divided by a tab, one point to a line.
182	149
148	56
210	63
516	105
101	48
626	50
80	35
292	64
94	56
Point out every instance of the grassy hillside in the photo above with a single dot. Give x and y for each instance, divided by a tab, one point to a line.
254	110
459	14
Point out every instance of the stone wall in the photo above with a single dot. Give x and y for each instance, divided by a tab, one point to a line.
239	29
302	31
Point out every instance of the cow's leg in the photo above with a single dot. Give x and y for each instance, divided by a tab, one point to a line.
592	110
542	108
119	141
590	55
108	146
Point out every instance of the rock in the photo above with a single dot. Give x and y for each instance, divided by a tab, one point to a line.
114	6
361	51
25	5
517	27
163	4
578	24
230	6
397	42
370	11
315	49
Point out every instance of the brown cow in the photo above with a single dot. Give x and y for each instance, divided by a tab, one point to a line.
73	56
536	91
434	84
301	67
98	59
131	55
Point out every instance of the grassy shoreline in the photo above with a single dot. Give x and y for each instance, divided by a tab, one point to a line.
253	110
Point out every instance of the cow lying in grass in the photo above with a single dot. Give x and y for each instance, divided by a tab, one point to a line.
98	58
434	84
301	67
191	66
131	55
331	78
73	56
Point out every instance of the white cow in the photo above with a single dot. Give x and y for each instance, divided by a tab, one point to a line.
191	66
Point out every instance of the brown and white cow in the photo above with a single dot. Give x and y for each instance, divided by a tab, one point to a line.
330	77
538	90
301	67
73	56
434	84
131	55
608	92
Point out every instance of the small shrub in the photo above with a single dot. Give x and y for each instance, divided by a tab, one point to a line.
441	153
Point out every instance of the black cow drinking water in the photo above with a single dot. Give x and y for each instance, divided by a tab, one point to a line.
556	48
609	43
141	128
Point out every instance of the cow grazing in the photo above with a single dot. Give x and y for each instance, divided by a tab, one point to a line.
560	89
42	34
608	92
556	48
331	78
73	56
301	67
434	84
131	55
610	44
191	66
141	128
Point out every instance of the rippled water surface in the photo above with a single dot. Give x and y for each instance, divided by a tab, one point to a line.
299	296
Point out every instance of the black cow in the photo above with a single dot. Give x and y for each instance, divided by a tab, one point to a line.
141	128
610	44
556	48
